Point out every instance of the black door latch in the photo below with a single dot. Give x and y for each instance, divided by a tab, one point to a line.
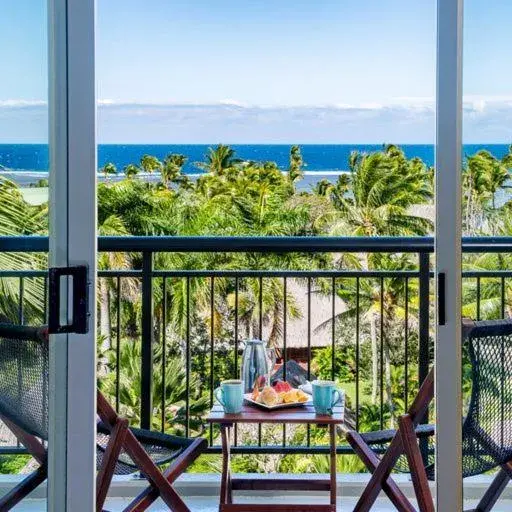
80	291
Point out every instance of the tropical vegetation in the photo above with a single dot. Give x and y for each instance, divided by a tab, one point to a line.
384	193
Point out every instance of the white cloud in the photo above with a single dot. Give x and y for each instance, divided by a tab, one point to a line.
22	103
400	120
233	103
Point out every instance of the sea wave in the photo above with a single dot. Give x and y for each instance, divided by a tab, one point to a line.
28	173
334	172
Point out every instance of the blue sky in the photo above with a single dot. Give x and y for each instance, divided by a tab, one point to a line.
207	71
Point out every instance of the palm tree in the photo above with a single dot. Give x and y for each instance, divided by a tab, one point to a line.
498	175
334	191
484	176
218	160
131	170
172	397
488	300
143	210
507	159
323	187
111	226
108	169
295	171
383	301
149	164
272	313
172	168
385	186
18	218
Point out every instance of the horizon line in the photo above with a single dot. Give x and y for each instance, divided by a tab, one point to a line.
39	143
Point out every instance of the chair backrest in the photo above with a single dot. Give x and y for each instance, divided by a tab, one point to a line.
487	428
24	358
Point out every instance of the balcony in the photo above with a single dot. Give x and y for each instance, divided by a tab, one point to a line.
171	325
201	494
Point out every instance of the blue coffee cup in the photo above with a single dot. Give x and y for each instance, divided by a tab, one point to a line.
325	396
230	395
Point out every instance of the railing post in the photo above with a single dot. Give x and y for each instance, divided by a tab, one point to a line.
424	336
146	405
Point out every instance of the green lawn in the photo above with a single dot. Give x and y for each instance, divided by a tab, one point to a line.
35	195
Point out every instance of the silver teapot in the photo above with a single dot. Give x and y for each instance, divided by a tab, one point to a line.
257	361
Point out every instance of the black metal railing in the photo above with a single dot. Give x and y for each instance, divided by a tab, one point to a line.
151	281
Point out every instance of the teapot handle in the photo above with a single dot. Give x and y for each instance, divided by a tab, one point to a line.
271	353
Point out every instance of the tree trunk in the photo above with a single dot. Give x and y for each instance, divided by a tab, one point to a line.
387	376
105	323
105	327
375	355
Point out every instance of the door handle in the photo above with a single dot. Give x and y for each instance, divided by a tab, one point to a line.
441	298
80	291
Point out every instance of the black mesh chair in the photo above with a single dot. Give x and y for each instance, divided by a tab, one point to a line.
486	430
24	367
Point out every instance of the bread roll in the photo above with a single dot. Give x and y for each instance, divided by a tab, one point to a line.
269	396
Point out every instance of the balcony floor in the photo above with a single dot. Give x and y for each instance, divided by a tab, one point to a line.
210	504
201	493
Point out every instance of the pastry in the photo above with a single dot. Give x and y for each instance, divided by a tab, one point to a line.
268	396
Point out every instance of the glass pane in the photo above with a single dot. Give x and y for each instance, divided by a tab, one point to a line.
23	212
487	162
239	118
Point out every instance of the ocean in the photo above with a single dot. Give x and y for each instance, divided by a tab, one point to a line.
320	159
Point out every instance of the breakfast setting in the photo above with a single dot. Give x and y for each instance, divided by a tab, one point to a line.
275	394
260	388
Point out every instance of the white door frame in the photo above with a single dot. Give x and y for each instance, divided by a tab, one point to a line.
448	252
73	241
72	461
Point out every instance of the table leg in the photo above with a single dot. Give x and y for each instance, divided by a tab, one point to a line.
229	497
332	432
225	487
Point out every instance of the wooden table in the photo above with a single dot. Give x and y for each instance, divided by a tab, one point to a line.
300	415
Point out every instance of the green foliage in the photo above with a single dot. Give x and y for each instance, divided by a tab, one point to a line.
17	217
206	464
12	464
379	196
131	170
169	398
483	177
398	387
40	183
150	164
370	416
320	464
172	167
295	172
344	363
219	160
108	169
383	187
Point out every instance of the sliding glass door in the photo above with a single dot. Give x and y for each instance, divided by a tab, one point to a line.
72	255
448	256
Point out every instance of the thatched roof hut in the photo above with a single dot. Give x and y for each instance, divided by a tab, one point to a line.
321	315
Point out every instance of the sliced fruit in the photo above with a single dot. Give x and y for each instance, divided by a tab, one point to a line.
281	386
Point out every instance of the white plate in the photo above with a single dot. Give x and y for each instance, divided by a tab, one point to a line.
249	400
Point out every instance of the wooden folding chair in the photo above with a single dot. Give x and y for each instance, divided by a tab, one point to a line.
401	441
120	450
144	451
486	430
